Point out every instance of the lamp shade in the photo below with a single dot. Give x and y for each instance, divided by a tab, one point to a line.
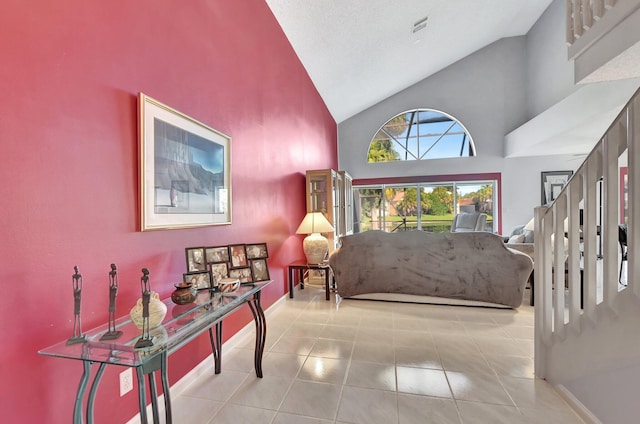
314	222
315	245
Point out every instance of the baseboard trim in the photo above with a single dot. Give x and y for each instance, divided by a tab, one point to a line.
205	365
577	406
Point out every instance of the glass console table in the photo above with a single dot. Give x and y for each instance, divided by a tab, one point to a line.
182	324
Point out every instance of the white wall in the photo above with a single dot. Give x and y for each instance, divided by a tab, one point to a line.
485	92
549	73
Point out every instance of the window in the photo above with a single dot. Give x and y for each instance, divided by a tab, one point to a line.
427	206
420	134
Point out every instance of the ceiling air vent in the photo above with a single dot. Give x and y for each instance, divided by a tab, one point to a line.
421	24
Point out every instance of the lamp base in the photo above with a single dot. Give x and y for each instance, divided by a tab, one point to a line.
316	247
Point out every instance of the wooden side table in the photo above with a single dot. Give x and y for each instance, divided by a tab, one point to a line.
297	269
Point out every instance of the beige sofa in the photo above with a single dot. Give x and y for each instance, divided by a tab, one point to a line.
472	267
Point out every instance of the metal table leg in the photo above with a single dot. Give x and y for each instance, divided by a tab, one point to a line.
92	392
82	387
216	346
261	332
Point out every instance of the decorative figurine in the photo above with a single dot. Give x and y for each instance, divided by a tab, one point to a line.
112	334
77	337
146	340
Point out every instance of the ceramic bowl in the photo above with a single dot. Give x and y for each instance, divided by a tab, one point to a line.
229	285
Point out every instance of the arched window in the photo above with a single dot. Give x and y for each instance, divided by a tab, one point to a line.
420	134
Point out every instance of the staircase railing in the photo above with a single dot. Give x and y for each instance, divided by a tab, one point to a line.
581	15
577	252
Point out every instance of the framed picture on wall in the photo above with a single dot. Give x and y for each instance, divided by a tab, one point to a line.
185	178
552	184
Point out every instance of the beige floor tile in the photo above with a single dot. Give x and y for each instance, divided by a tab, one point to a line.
501	346
267	392
478	388
414	409
465	361
412	338
297	345
190	409
234	414
373	352
372	375
422	381
282	418
367	406
534	394
551	416
327	348
338	332
379	362
218	387
484	413
417	357
512	366
324	370
284	365
316	400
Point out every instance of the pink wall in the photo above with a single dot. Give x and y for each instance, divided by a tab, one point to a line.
69	79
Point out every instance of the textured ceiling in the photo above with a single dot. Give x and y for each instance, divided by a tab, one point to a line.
359	52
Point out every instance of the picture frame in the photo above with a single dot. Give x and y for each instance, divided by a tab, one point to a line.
238	256
243	274
219	270
196	259
259	270
552	183
217	254
201	280
257	251
185	174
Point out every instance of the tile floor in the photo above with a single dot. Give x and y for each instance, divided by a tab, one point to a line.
379	363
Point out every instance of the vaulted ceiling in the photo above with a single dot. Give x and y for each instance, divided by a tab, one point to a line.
359	52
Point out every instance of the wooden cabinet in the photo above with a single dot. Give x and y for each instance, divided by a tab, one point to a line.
330	192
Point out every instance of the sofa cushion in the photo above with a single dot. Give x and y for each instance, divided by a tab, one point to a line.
518	238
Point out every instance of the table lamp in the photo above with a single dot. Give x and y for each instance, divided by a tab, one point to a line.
315	245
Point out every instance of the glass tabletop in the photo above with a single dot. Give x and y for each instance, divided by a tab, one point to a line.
181	324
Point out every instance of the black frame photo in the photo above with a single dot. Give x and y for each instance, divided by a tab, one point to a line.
196	260
244	274
201	279
238	256
257	251
259	270
552	183
220	269
217	254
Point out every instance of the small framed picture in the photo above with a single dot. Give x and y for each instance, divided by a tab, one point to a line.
238	256
219	271
242	274
201	280
257	251
552	184
259	270
195	259
216	255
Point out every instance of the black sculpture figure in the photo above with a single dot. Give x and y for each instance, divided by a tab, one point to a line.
145	340
112	334
77	337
